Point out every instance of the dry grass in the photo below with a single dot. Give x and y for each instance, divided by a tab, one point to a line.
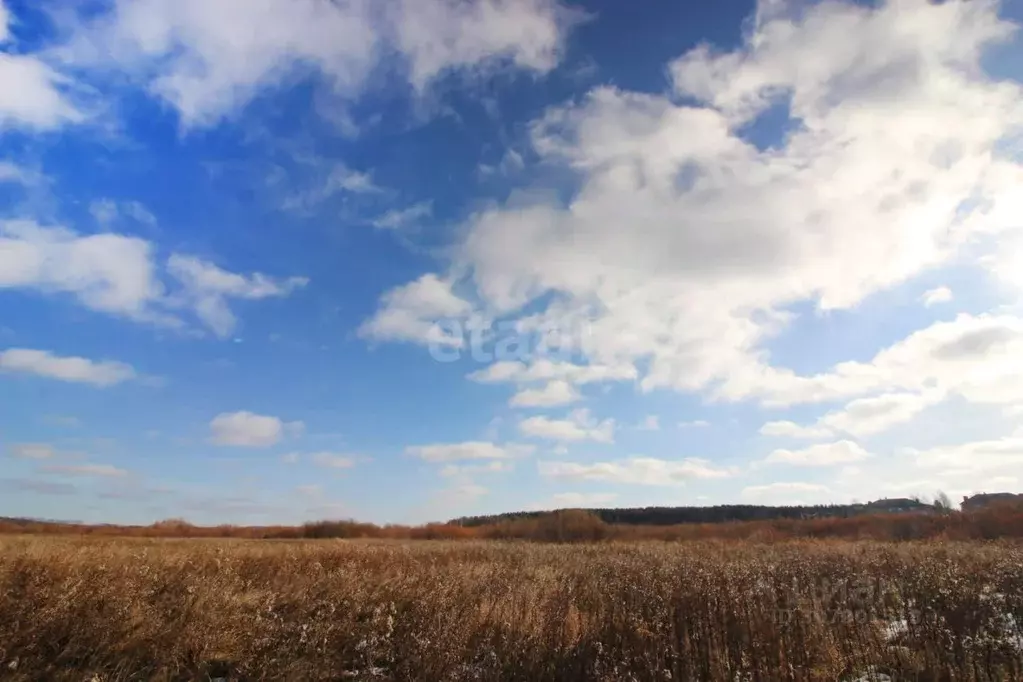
120	609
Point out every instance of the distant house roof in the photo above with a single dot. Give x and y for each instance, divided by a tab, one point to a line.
984	499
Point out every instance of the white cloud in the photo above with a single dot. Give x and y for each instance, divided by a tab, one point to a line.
399	219
822	454
208	287
32	94
105	272
412	312
979	358
444	35
291	458
331	460
71	369
685	247
553	394
635	470
101	470
868	416
787	429
497	466
544	369
1004	453
32	451
210	60
245	429
861	417
470	450
696	424
579	426
936	296
119	275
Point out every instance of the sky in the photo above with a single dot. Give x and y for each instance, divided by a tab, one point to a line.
409	260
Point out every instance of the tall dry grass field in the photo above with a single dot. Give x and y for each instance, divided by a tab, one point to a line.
138	609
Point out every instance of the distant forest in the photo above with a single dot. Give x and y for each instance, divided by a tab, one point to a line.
668	516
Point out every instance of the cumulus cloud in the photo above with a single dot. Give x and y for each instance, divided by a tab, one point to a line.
412	312
788	429
497	466
33	94
553	394
822	454
107	272
470	450
210	60
545	369
441	36
977	357
71	369
120	275
868	416
579	426
686	246
635	471
961	459
245	429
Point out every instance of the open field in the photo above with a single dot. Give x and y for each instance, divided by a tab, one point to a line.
120	609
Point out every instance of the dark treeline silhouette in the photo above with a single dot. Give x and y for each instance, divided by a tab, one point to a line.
669	516
1001	520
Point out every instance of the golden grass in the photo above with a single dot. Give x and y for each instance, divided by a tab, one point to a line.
156	609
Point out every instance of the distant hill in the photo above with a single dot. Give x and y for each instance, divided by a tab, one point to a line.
667	516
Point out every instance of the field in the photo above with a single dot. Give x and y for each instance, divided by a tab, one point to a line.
150	609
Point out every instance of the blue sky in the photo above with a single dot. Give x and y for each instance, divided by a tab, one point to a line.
408	260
